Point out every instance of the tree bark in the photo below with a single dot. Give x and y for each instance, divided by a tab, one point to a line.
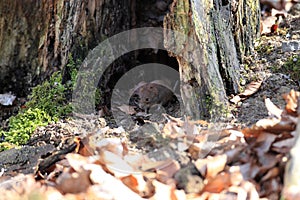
225	37
36	37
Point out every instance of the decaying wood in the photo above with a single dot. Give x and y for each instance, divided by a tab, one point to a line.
214	70
36	37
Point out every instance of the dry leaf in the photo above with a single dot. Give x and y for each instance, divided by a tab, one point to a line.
155	165
267	23
116	165
166	192
75	182
250	90
264	141
113	145
201	149
215	165
275	126
212	165
166	172
285	143
131	182
77	161
236	178
218	184
109	184
292	101
137	184
271	174
235	99
272	109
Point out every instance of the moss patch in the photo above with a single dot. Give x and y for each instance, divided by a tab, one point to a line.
292	67
50	97
22	125
47	103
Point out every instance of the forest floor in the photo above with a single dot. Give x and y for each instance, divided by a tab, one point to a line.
244	158
278	67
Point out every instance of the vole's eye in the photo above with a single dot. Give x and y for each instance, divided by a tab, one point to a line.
147	100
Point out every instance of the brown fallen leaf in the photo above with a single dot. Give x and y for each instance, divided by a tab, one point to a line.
165	173
76	161
137	184
275	126
271	188
198	150
107	185
246	190
116	165
114	145
149	164
75	182
166	192
131	182
267	23
272	109
264	141
218	184
174	127
213	165
289	143
236	177
251	88
270	174
292	99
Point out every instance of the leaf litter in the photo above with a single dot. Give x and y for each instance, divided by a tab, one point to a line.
245	163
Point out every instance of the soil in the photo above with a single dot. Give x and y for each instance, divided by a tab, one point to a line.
267	65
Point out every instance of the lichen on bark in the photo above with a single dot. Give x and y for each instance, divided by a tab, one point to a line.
201	78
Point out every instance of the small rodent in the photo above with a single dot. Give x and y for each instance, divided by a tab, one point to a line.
153	93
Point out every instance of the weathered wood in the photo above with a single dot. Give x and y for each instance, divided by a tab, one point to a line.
214	69
245	25
36	37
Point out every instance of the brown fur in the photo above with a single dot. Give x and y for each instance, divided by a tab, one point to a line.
153	93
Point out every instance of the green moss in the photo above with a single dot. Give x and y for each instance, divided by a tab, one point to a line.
22	125
72	68
50	97
47	103
264	49
7	145
292	67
